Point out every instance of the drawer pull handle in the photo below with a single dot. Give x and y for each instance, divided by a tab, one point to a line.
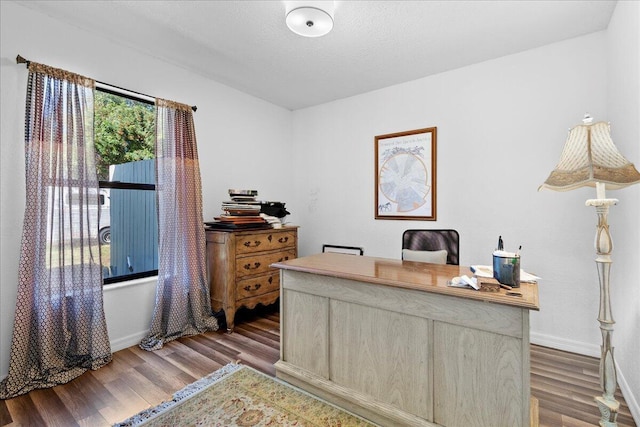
249	267
270	237
283	239
270	279
283	259
255	287
254	245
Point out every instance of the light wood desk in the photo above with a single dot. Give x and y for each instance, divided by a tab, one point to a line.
389	340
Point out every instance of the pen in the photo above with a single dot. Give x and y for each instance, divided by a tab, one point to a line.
500	243
518	251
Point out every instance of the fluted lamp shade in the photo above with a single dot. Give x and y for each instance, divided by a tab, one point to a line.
590	156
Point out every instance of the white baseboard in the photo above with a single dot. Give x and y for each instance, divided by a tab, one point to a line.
592	350
128	341
563	344
629	398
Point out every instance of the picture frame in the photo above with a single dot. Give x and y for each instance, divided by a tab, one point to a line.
405	175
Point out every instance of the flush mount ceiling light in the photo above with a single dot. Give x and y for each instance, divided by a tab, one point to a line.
310	18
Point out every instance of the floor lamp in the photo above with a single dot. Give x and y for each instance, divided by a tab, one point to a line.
590	158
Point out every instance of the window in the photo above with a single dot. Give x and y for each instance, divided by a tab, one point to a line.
125	161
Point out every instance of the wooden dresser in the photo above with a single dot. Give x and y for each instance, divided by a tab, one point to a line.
238	264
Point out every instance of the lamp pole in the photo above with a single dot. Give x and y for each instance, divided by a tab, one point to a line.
590	157
607	404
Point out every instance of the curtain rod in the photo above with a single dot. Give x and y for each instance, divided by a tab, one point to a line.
21	60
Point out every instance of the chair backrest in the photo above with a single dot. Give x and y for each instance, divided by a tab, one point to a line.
433	240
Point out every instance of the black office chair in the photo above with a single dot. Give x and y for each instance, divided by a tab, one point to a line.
433	240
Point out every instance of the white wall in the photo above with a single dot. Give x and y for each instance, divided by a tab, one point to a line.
501	128
243	142
623	104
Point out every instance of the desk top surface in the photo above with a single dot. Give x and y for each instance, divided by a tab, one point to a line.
418	276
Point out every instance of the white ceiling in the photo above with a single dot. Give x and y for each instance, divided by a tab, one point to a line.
374	44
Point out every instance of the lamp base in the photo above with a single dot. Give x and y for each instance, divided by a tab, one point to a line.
608	410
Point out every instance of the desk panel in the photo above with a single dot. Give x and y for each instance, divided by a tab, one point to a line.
400	350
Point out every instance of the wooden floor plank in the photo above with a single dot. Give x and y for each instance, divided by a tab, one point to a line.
51	408
95	420
564	383
93	390
5	415
568	389
119	365
203	348
160	363
162	379
246	345
259	335
193	368
24	412
79	404
128	402
216	342
145	387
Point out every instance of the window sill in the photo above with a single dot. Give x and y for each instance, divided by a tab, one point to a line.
130	283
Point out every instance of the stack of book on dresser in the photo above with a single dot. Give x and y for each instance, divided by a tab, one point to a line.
241	212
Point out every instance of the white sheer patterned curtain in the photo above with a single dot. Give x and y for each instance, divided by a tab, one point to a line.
182	303
59	328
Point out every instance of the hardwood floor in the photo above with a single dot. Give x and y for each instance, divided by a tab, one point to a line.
564	383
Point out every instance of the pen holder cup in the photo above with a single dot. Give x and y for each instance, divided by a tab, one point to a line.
506	270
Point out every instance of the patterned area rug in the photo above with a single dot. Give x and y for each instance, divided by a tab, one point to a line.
237	395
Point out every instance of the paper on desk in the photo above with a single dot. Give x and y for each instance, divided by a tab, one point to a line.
464	282
487	271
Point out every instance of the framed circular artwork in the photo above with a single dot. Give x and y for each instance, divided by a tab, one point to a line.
406	175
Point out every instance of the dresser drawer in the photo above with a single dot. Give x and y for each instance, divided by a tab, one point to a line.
258	264
258	285
261	242
238	266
